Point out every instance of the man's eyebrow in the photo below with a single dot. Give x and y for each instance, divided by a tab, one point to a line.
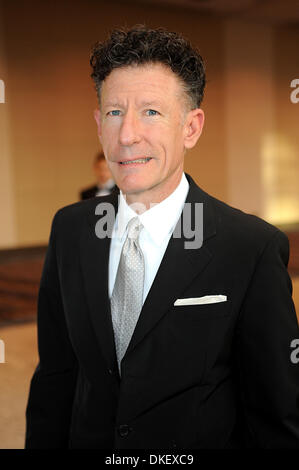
145	103
115	104
151	103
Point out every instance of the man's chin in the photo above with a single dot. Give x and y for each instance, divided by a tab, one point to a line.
131	185
132	190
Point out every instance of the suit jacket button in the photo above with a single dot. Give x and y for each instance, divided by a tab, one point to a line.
124	430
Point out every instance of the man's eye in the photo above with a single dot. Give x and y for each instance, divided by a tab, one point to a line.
151	112
114	112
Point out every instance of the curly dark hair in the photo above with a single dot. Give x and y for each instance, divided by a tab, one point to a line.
141	45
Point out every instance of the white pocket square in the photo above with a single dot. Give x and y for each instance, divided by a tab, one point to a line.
206	299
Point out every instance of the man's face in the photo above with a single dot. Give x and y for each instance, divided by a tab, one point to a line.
144	127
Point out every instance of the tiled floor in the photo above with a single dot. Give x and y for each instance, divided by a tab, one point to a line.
15	375
19	282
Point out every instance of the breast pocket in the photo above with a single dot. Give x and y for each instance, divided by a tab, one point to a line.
206	311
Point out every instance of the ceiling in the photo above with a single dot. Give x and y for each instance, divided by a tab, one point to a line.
266	11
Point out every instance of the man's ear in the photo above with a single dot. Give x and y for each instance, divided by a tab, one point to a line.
97	116
193	127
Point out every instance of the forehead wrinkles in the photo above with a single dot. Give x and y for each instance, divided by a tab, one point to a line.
155	80
140	94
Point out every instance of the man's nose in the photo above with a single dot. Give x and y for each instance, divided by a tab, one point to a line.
130	131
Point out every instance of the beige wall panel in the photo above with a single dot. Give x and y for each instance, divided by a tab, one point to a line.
283	162
8	234
249	108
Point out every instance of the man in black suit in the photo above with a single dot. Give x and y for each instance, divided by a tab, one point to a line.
170	326
105	183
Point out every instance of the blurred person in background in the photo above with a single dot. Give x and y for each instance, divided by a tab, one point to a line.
105	183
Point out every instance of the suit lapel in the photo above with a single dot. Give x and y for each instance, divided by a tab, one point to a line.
178	268
94	254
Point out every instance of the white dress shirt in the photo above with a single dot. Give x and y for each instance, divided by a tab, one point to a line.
158	225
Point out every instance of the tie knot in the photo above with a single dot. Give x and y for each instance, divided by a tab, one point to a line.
134	228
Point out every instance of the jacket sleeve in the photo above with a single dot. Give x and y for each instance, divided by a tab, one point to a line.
269	378
52	388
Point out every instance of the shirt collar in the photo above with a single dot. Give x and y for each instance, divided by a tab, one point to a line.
160	220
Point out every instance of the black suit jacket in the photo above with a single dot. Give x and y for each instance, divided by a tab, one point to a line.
201	376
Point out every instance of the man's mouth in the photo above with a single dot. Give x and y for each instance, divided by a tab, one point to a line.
137	160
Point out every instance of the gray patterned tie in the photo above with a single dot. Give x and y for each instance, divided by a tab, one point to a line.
127	295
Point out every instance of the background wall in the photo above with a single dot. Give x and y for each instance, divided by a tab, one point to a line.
48	136
282	156
8	235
